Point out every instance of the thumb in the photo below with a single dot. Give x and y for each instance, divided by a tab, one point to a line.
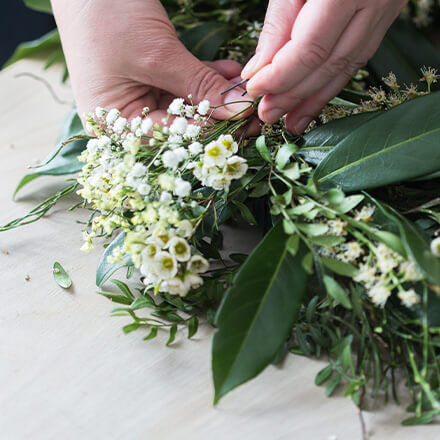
189	76
277	29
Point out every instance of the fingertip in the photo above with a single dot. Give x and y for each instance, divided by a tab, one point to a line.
297	123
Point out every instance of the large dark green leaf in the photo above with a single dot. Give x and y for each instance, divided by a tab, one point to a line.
39	5
317	144
105	269
49	43
204	40
401	144
61	161
257	313
404	50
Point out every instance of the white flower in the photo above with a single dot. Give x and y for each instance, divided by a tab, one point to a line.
218	181
175	286
189	110
366	274
410	271
149	252
235	167
112	115
409	297
198	264
144	189
182	188
353	250
203	107
146	125
379	294
195	148
435	246
179	126
104	142
365	214
165	197
166	182
135	124
192	131
174	140
228	141
176	106
185	229
119	125
181	153
92	146
215	154
152	142
180	249
165	265
138	170
193	281
170	159
337	227
100	112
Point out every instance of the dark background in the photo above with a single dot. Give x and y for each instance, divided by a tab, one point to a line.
18	24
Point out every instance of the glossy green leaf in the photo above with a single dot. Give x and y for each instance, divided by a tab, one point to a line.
339	267
262	149
204	40
105	269
172	335
337	292
39	5
152	334
193	325
389	149
257	312
64	159
284	154
332	384
47	43
61	276
323	375
318	143
245	212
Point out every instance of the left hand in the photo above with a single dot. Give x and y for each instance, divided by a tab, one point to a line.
308	51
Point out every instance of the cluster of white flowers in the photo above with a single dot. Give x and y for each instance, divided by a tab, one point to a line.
422	11
140	177
380	270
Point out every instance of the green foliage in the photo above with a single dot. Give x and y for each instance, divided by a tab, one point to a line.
105	269
373	156
64	159
39	5
61	276
257	313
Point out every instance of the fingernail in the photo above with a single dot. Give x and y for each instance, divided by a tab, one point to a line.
233	96
302	124
251	67
273	115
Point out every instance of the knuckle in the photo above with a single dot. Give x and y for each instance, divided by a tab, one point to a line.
205	82
313	55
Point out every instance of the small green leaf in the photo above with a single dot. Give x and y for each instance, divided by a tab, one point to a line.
339	267
152	334
312	229
131	327
332	384
337	292
245	212
424	419
323	375
307	263
291	171
260	190
193	325
262	149
172	337
293	244
61	277
123	288
326	240
39	5
284	154
116	297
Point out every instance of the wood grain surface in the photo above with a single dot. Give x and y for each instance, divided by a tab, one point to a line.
66	369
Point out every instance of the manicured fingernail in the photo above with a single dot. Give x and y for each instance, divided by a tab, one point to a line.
273	115
302	124
233	96
251	67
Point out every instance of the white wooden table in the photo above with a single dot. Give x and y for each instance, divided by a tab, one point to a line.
66	369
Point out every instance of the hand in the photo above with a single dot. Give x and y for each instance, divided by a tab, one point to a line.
126	54
308	51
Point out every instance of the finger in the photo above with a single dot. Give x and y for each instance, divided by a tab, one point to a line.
277	28
187	75
228	68
299	119
344	60
315	33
